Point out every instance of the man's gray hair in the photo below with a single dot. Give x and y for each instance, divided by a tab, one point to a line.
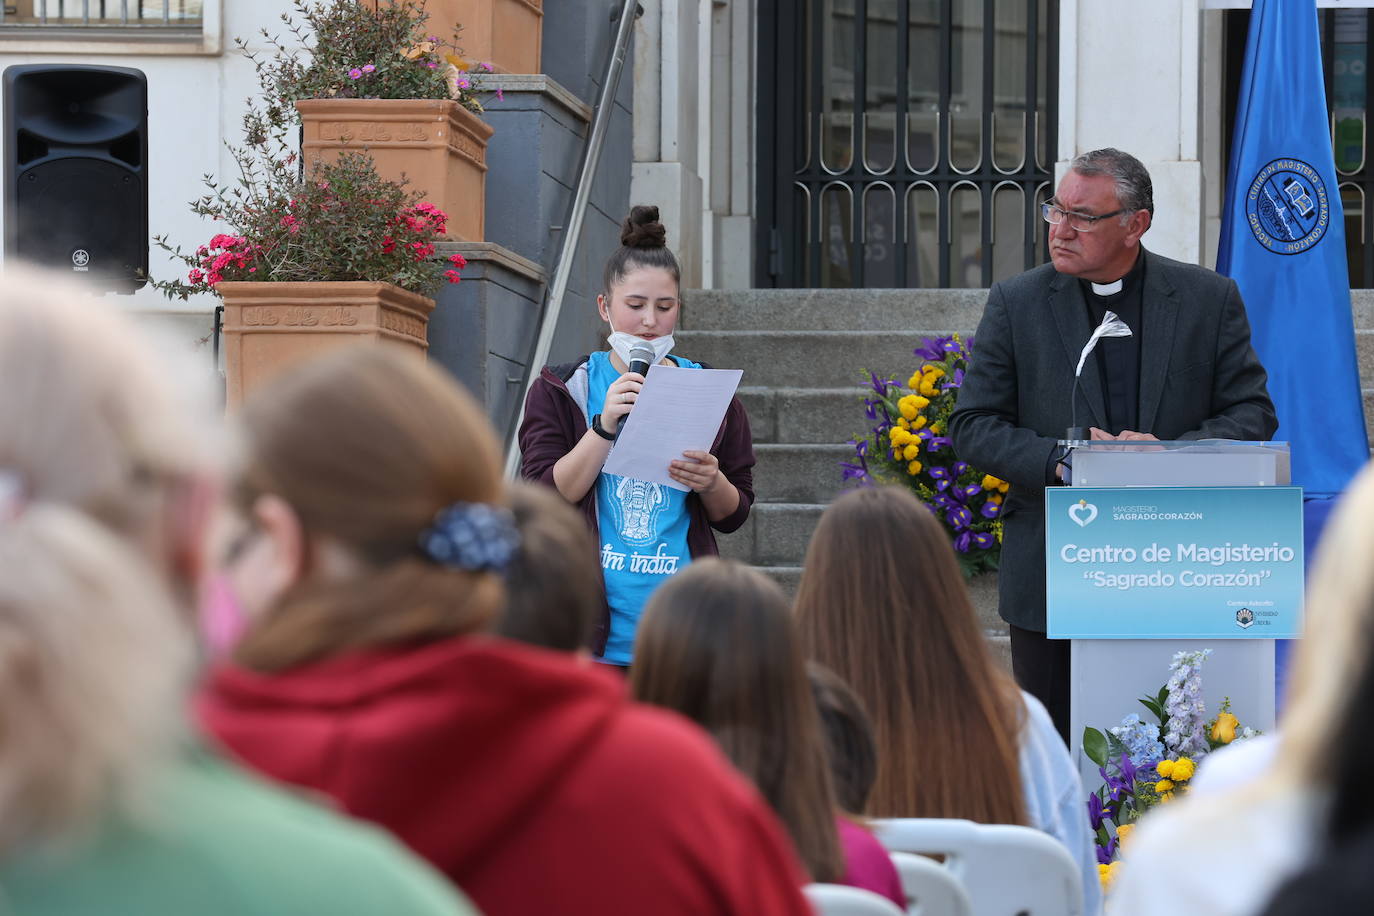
1134	190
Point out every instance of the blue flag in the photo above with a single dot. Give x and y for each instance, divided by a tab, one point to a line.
1283	241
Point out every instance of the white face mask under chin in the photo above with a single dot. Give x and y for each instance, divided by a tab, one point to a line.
623	343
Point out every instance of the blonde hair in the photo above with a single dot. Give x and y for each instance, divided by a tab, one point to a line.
1337	646
93	659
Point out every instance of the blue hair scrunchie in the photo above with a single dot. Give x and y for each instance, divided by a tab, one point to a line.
472	536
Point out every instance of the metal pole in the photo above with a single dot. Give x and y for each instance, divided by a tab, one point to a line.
558	286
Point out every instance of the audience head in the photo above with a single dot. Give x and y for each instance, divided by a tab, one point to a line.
554	595
892	617
848	734
351	461
104	498
1324	738
718	645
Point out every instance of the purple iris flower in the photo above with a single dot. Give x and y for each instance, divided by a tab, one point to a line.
871	409
959	518
960	467
1105	853
939	473
972	490
880	386
990	509
939	442
1095	812
954	381
983	540
930	349
1128	771
950	345
961	543
857	472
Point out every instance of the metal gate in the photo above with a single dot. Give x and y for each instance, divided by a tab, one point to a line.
904	143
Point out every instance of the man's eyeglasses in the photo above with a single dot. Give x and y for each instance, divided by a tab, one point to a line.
1078	222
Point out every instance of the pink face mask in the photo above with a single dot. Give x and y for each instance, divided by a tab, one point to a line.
222	618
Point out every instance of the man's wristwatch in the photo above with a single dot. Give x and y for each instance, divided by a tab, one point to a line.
596	427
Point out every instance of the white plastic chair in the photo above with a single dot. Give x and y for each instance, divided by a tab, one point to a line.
931	889
1006	870
843	900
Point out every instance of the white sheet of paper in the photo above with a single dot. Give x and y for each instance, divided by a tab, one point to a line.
678	410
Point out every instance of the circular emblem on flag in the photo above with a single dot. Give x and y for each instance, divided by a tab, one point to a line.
1286	206
81	257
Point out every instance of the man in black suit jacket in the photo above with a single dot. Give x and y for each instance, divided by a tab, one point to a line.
1186	372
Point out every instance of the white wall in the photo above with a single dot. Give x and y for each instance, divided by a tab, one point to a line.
1130	76
195	101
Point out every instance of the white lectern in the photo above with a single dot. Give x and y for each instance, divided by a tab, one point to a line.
1109	675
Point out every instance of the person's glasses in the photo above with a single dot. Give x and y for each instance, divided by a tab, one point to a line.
1078	222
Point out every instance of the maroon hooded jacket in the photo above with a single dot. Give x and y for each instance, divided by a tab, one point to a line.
528	778
555	422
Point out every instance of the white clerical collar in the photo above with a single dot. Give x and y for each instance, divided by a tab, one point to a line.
1107	289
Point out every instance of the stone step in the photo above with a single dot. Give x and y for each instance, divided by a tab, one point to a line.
790	473
776	534
808	359
832	309
822	416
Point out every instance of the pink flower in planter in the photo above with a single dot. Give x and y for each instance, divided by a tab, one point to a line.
368	68
355	73
458	261
452	276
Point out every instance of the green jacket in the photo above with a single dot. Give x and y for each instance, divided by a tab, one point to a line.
223	843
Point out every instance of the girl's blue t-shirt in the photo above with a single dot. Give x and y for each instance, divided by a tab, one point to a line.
643	530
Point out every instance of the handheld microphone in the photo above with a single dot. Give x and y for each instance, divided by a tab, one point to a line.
1111	326
641	358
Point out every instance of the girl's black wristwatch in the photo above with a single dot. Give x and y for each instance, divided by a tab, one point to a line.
596	427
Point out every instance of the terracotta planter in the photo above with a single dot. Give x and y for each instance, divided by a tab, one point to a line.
505	33
269	327
437	145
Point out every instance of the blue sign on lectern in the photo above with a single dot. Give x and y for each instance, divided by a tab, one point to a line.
1174	562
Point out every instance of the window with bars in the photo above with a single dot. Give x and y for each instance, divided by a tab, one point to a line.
904	143
26	17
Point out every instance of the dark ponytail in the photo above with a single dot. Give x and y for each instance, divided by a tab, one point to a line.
643	243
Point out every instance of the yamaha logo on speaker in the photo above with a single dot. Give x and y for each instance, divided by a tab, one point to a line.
81	258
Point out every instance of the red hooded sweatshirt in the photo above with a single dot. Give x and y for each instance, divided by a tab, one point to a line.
528	778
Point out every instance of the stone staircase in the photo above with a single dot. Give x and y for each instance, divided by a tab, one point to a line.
803	352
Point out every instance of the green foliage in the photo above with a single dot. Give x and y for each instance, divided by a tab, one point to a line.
1095	746
360	49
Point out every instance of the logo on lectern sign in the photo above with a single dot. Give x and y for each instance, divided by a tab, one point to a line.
1286	206
1245	618
1083	513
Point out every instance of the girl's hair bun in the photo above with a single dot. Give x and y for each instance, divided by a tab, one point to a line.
643	230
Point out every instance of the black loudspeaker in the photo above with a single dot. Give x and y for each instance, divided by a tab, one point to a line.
76	172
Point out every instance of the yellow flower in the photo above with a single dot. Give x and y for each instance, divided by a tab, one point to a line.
910	452
927	386
932	370
1224	729
918	422
1107	874
995	498
937	428
898	437
914	380
913	468
1166	797
1164	787
920	402
1123	835
1183	769
904	423
990	482
908	408
1165	769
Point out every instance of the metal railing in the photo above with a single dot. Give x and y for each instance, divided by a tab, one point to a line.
102	13
567	253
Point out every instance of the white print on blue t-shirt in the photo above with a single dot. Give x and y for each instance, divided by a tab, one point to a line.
643	529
